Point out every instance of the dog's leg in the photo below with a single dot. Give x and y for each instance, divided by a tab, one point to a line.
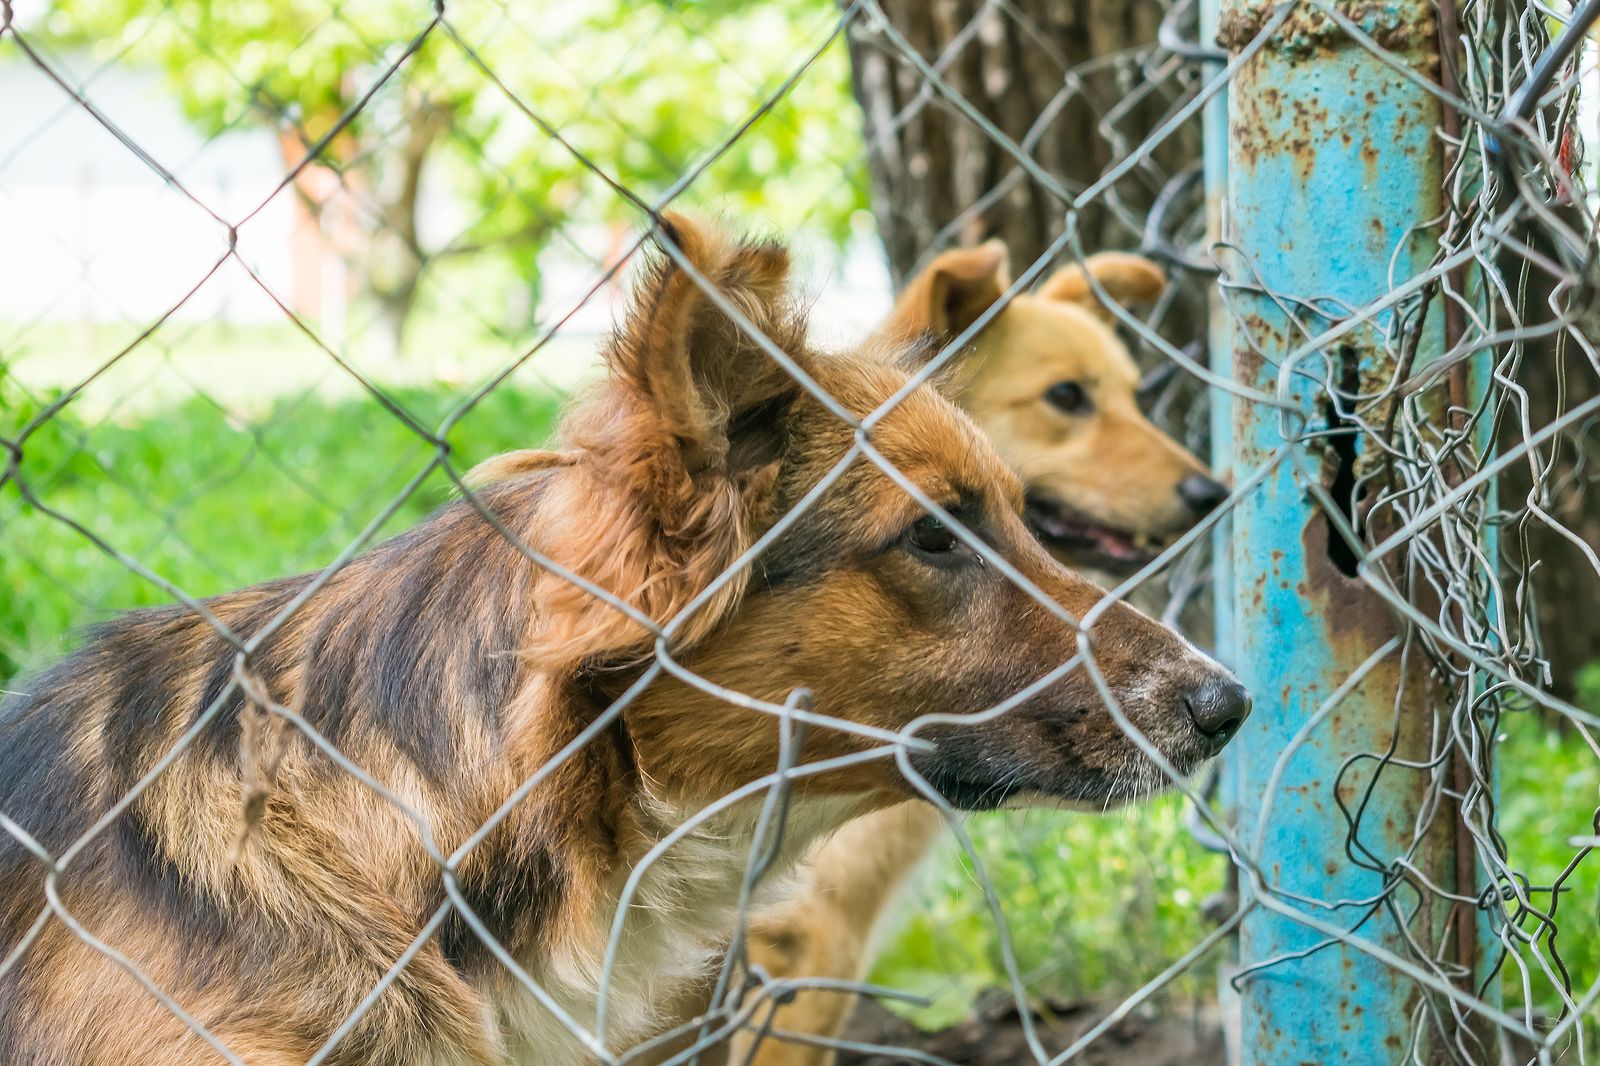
828	931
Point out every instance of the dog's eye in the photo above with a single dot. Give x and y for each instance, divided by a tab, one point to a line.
1068	396
928	534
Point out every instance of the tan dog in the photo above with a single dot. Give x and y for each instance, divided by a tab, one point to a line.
1053	387
480	688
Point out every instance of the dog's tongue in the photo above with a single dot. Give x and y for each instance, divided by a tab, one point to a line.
1062	526
1112	545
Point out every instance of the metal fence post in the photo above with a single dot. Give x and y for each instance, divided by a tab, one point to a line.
1334	168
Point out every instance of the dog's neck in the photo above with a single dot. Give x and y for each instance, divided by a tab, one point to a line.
706	858
685	875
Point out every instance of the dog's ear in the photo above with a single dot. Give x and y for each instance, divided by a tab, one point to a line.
683	358
1130	280
509	465
675	470
951	292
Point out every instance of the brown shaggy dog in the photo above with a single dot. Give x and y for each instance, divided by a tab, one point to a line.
1054	389
477	688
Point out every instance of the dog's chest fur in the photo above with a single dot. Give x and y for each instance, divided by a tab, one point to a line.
677	925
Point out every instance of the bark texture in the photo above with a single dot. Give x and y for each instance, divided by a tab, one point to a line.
1559	376
1056	78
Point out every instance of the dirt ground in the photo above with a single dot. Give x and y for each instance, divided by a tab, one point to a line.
993	1036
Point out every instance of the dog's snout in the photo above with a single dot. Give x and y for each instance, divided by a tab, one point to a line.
1202	494
1218	706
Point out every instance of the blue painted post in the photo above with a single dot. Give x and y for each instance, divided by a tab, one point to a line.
1332	160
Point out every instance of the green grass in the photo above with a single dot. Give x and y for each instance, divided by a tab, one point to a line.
210	499
1096	905
247	368
217	491
1549	789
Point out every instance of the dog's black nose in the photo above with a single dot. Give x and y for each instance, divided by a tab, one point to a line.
1201	494
1218	706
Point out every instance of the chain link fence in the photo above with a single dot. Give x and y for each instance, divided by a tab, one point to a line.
275	278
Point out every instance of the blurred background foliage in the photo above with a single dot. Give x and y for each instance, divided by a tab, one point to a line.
646	90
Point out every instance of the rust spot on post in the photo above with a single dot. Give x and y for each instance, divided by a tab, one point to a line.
1309	30
1356	616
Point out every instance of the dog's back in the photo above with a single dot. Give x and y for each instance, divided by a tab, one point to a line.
284	940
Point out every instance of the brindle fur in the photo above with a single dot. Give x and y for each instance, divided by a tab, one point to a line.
452	668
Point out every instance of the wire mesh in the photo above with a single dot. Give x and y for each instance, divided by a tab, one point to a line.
495	173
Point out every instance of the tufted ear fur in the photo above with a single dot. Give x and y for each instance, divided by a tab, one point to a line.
1130	280
685	358
951	292
678	452
509	465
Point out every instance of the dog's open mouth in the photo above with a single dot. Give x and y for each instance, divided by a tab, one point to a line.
1068	531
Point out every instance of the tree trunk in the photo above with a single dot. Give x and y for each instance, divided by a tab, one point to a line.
1566	583
1055	77
1558	376
396	258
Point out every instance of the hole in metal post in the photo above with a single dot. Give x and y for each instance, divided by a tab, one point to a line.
1342	436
